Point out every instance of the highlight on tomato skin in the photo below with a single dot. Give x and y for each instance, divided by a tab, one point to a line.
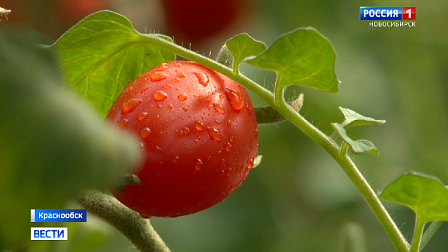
198	133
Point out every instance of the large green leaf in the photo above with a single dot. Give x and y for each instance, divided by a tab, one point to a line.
302	57
52	146
424	194
102	53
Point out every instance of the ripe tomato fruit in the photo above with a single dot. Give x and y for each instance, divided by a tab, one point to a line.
199	134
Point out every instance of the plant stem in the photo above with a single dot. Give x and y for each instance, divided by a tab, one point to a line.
418	233
430	231
300	122
375	204
138	230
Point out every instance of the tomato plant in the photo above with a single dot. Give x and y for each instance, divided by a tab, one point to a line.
199	134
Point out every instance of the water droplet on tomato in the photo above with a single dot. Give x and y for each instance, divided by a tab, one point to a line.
144	89
202	78
175	159
160	95
235	99
198	166
178	64
130	105
231	138
219	108
180	74
199	126
145	132
250	163
157	149
158	76
162	67
142	116
229	172
167	86
229	123
170	106
186	131
176	79
214	134
228	147
184	109
123	123
182	97
159	115
209	107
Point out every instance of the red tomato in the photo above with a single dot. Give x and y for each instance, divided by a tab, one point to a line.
199	134
195	20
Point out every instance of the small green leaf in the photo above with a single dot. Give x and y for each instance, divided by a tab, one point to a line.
243	46
424	194
358	146
52	146
102	53
351	118
225	57
302	57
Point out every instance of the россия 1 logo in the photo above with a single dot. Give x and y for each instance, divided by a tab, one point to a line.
391	14
387	13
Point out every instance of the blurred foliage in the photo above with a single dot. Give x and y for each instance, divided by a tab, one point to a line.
299	199
52	146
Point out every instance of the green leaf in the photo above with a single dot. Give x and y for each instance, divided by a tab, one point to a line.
302	57
52	146
102	53
243	46
358	146
351	118
424	194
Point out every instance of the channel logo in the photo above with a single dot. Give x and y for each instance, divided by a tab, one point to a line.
387	13
58	215
49	234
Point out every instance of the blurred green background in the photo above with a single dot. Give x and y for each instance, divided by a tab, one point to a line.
299	199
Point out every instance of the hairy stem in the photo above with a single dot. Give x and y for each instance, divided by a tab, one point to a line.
300	122
418	233
430	231
138	230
